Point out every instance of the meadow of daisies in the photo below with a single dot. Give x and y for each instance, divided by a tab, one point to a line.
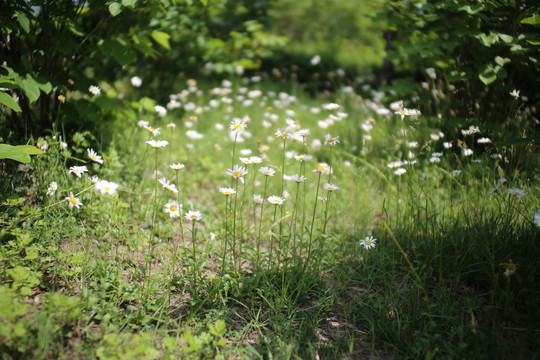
245	219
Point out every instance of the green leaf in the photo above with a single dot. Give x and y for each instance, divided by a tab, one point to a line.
147	103
471	10
20	153
11	152
30	88
115	8
218	328
517	49
74	30
502	61
118	49
487	78
506	38
43	84
204	2
487	40
170	343
30	149
161	38
532	20
10	84
488	74
129	3
7	100
23	21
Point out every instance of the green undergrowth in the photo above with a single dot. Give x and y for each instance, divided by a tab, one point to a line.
452	274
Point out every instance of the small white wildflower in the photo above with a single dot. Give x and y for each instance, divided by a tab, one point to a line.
53	186
94	90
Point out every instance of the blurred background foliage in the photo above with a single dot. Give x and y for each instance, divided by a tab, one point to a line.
476	53
479	52
347	32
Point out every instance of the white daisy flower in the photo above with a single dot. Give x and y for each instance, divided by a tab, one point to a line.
78	170
173	208
73	201
94	156
276	200
193	215
368	242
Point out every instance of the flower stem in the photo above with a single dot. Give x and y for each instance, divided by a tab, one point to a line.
234	223
224	253
313	222
260	223
195	265
270	245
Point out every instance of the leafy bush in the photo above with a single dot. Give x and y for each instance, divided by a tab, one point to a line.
478	53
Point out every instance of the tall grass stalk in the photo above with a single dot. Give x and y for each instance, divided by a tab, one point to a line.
241	240
234	250
258	245
195	269
324	235
282	206
234	153
301	244
292	231
175	253
225	238
271	239
310	244
150	253
419	281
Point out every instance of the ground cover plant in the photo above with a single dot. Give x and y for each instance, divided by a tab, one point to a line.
249	227
245	215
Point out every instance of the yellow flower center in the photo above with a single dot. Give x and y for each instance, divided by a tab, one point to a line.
330	140
275	201
73	201
511	267
107	189
237	126
319	168
173	207
368	242
285	134
237	174
193	216
517	193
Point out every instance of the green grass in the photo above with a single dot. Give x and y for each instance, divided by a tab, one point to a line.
119	278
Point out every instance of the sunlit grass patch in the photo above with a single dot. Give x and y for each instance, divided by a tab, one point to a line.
277	223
